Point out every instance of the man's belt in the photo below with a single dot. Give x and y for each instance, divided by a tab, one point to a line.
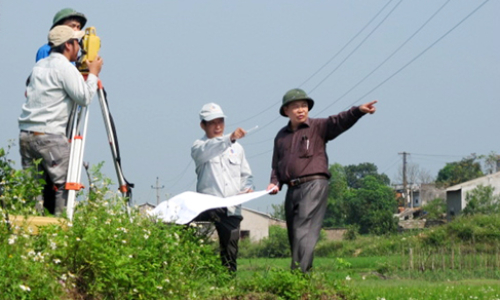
33	132
301	180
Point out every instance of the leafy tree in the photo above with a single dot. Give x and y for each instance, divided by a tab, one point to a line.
276	245
491	162
352	232
425	176
461	171
344	183
482	201
278	211
355	173
414	174
372	206
336	210
435	208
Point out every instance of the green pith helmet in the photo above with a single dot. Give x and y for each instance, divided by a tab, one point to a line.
68	13
294	95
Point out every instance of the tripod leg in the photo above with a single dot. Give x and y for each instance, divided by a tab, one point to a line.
76	159
124	186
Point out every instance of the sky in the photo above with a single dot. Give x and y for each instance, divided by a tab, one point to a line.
434	67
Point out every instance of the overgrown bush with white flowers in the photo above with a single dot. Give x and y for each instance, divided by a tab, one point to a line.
104	253
111	252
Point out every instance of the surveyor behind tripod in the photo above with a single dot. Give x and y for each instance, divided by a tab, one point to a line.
66	16
75	20
55	86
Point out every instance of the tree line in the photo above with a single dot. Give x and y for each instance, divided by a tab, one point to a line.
362	199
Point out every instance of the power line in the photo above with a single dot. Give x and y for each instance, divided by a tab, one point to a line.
262	153
347	44
384	81
179	177
324	65
256	143
258	114
413	59
188	185
357	47
182	173
443	155
389	57
421	53
391	165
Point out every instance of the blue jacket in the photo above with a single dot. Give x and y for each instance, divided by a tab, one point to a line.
43	52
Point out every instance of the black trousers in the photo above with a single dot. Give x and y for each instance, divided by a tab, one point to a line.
228	229
305	207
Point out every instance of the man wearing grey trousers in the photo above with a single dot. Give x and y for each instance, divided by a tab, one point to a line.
54	87
300	161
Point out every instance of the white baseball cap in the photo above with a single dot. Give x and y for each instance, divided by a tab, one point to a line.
63	33
211	111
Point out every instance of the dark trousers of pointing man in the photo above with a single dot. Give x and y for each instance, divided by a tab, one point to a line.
228	230
305	207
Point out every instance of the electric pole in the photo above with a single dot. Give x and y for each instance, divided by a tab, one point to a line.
405	182
157	188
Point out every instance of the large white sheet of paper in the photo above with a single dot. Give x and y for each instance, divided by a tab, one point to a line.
183	208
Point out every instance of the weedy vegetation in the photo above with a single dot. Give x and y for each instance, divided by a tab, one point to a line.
110	252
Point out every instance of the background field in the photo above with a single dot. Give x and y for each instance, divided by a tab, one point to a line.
367	283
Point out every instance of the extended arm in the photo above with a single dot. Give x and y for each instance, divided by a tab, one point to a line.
79	90
337	124
205	149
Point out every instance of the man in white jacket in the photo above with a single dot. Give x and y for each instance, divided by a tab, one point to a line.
223	171
55	86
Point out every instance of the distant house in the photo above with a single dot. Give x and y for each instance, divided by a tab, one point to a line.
427	193
420	195
145	207
457	194
255	224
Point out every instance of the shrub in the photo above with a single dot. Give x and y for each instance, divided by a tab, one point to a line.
477	228
105	253
482	201
435	209
382	222
19	189
436	237
276	245
352	232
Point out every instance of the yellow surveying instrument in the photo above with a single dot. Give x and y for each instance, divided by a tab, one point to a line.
89	47
77	130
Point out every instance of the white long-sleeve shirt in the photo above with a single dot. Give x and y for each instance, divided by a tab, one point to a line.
222	168
55	86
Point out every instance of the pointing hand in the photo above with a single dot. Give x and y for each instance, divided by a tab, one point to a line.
368	108
238	134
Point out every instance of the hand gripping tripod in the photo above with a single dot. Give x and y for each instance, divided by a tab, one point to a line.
77	134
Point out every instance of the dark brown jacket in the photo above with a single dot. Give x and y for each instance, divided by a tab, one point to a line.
303	152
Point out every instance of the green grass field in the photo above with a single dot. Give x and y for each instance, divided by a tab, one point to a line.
363	275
